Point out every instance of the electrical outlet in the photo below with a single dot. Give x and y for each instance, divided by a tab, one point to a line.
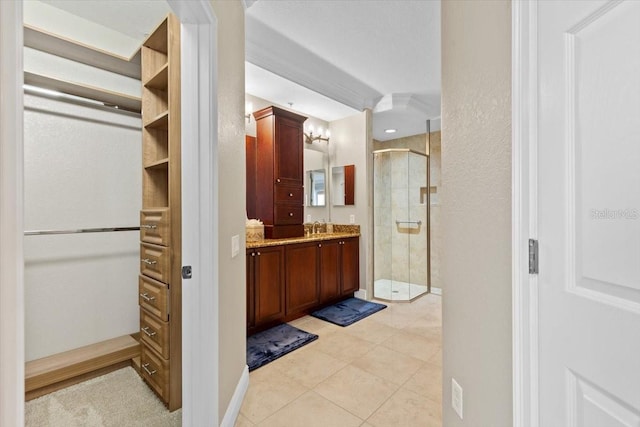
456	397
352	219
235	246
308	217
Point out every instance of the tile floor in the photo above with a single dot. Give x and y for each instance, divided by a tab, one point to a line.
383	371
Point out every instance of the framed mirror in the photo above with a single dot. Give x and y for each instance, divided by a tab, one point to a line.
343	185
316	182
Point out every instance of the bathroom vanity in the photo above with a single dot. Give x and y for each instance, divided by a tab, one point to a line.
288	278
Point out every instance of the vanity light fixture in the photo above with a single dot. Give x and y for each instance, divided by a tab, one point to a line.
310	137
247	111
390	130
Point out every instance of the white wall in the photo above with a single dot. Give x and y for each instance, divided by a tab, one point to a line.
351	144
82	170
231	179
476	210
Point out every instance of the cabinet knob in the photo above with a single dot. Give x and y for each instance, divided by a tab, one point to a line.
290	194
258	253
253	254
290	213
278	180
319	245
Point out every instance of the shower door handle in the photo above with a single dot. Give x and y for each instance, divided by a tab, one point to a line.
418	223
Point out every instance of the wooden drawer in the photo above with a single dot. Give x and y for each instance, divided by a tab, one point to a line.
153	297
155	333
289	194
155	262
155	371
155	226
287	214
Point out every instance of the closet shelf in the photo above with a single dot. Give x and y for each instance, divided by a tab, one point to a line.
162	163
160	79
54	44
161	121
110	98
158	38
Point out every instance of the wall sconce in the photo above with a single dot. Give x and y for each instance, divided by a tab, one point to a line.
247	111
310	137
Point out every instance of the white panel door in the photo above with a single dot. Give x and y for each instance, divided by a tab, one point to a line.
589	213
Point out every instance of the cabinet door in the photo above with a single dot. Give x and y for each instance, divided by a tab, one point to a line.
329	270
269	284
302	277
350	266
288	151
251	289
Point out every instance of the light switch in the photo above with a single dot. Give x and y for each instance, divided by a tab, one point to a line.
352	219
235	246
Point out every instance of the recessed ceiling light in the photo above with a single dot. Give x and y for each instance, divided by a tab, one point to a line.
390	130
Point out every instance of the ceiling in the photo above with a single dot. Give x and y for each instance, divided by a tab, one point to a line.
383	55
329	58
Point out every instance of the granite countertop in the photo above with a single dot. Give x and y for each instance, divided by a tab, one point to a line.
302	239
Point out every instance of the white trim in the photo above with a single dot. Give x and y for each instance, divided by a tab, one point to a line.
233	409
11	216
361	293
524	213
436	291
200	332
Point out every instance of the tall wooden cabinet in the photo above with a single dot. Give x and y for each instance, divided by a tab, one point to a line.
160	281
275	174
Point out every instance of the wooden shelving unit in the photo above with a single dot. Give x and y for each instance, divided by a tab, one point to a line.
160	282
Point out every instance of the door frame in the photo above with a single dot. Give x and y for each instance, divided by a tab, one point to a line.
524	219
200	344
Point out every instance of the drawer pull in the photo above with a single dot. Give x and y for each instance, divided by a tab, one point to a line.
148	261
146	331
290	213
149	226
146	297
145	366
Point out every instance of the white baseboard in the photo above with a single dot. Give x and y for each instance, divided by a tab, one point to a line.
233	409
361	294
436	291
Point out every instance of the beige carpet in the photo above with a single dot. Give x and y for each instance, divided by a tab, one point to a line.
119	399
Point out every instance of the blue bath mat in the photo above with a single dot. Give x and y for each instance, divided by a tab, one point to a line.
267	346
348	311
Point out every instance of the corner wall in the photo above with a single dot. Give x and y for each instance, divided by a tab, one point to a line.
476	210
352	144
231	210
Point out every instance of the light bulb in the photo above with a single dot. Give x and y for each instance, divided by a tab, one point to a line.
320	131
328	133
310	128
248	108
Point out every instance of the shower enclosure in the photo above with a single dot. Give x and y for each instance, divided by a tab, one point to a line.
401	240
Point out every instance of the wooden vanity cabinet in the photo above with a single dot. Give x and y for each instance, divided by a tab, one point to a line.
349	265
302	274
330	274
275	172
265	286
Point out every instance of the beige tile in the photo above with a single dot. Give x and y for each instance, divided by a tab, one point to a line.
413	345
311	410
269	390
308	366
371	330
436	359
395	317
389	364
357	391
242	421
423	328
407	409
316	326
344	346
427	382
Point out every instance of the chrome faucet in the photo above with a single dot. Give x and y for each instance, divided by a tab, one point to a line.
313	227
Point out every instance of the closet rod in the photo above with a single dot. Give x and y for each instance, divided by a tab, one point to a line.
80	230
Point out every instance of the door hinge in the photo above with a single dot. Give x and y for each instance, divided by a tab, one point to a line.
533	256
187	272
